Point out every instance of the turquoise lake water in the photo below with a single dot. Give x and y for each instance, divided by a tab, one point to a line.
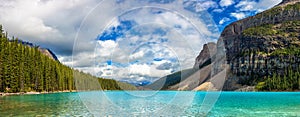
151	103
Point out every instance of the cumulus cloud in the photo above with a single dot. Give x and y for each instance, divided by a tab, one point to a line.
157	42
154	43
138	45
238	15
200	5
218	10
106	47
222	21
52	24
246	5
258	6
224	3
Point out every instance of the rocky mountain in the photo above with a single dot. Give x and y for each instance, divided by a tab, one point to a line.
260	28
261	52
48	53
204	58
208	73
45	51
262	45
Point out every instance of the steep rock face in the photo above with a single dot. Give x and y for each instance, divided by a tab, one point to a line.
252	45
48	53
206	54
45	51
232	34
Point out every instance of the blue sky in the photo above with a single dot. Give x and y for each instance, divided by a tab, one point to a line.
137	46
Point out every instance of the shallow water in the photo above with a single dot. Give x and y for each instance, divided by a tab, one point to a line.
151	103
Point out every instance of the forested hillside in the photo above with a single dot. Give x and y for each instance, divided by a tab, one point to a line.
24	68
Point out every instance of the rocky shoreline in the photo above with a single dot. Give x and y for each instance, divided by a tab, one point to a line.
33	93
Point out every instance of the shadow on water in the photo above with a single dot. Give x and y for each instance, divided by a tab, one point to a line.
56	104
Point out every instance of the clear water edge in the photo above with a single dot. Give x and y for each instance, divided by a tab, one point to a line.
122	103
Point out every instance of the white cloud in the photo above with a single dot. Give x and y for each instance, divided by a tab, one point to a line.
200	5
238	15
106	48
222	21
218	10
246	5
84	59
44	22
137	55
54	24
182	46
225	3
144	70
251	5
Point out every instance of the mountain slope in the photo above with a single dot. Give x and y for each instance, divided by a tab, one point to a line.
48	53
264	46
261	51
45	51
190	79
24	68
166	82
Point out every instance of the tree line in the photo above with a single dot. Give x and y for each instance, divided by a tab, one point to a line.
277	70
24	68
285	77
287	81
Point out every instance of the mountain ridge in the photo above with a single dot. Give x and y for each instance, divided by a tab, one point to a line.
258	53
48	52
250	45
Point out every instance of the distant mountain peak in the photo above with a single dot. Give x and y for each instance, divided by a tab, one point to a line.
45	51
48	53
